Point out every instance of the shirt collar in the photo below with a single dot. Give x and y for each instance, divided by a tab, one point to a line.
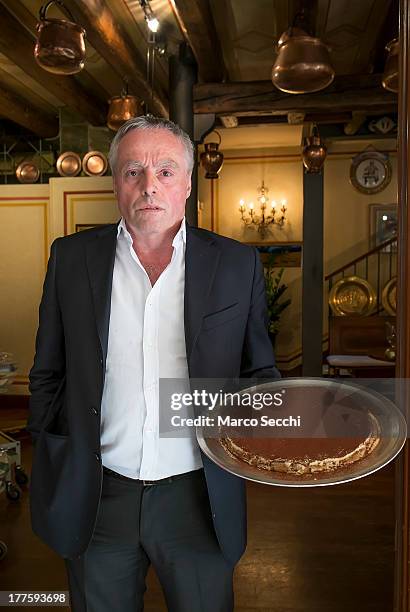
180	235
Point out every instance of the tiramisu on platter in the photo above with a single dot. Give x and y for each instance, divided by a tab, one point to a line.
347	431
303	455
334	432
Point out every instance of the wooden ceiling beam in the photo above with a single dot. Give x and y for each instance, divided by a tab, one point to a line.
346	93
112	42
17	44
197	25
19	110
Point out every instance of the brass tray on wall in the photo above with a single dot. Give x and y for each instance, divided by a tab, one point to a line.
352	296
389	297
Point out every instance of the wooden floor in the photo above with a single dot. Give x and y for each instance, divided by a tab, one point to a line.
329	549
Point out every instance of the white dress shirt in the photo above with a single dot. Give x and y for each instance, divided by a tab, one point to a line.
146	342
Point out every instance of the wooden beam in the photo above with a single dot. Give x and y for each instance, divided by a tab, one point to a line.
312	275
402	480
19	110
17	44
197	25
112	42
346	93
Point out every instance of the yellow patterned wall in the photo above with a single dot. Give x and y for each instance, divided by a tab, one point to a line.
31	217
346	215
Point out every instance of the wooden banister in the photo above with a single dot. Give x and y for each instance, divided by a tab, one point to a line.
376	249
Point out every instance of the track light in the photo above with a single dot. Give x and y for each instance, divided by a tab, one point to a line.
152	21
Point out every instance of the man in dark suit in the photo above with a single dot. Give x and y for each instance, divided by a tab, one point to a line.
124	306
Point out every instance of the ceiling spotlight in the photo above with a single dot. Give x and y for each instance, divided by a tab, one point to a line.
149	15
153	24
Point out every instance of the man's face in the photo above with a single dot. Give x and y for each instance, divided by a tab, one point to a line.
151	180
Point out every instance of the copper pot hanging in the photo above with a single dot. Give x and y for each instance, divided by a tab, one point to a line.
302	64
212	159
390	80
121	109
314	153
60	46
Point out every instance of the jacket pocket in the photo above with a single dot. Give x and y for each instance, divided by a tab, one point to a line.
56	421
222	316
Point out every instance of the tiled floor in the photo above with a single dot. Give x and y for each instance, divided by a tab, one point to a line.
329	549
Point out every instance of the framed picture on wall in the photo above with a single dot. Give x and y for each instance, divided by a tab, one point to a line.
79	227
370	172
284	254
383	225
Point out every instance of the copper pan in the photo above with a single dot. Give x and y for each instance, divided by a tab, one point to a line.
302	64
27	172
60	46
69	164
95	163
121	109
390	80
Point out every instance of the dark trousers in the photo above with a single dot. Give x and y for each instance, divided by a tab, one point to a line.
168	525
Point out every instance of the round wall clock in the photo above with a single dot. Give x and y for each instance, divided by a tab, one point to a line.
370	172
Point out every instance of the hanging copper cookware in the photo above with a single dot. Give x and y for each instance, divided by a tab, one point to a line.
27	172
60	46
302	64
314	153
212	159
390	80
121	109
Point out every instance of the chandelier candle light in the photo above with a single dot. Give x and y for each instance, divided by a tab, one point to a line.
269	214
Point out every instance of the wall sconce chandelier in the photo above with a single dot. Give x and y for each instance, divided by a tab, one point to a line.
270	213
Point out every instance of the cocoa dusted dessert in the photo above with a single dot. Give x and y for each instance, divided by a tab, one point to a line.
338	434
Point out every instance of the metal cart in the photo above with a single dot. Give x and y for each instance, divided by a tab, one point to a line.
11	474
15	475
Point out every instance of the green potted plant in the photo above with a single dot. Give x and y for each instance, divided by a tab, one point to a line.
274	292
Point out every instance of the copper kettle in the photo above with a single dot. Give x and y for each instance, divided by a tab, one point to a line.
302	64
390	80
314	153
60	45
211	159
121	109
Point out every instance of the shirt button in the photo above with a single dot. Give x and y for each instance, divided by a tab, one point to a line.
94	410
97	456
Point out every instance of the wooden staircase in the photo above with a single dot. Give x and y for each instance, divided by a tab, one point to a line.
364	335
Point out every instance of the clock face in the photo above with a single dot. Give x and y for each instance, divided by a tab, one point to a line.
370	172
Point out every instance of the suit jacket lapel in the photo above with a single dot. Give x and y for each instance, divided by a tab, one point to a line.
201	261
100	264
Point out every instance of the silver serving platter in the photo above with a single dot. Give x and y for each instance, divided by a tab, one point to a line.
393	432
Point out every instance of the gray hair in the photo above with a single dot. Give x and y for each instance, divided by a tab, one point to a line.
149	122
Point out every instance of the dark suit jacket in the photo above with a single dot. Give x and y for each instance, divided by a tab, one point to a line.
226	336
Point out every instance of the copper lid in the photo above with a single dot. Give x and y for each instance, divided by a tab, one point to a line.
69	164
95	163
27	172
